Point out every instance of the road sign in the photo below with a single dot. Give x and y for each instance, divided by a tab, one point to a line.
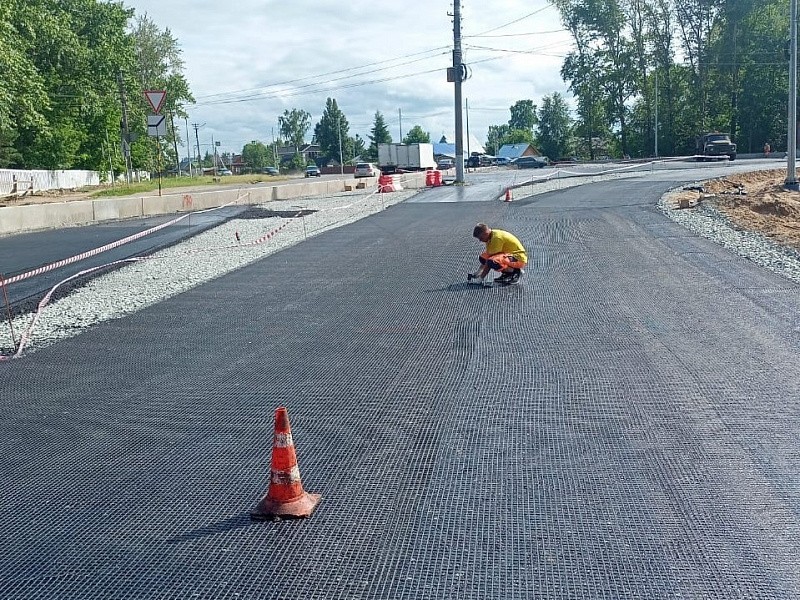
156	99
156	125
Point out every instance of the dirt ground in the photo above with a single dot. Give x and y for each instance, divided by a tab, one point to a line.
755	202
45	198
53	196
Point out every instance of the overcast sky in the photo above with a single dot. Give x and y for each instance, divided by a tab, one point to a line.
247	61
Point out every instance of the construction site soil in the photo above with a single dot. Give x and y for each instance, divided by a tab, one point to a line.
755	201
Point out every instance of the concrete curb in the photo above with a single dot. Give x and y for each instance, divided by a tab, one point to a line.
33	217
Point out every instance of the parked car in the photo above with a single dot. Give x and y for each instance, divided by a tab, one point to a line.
531	162
313	171
501	161
224	172
270	171
366	170
445	164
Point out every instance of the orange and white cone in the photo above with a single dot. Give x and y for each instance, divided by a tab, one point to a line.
285	498
508	195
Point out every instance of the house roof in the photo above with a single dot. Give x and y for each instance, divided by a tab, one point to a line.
474	145
514	150
448	150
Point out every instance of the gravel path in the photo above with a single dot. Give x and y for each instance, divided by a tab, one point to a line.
266	229
706	221
277	225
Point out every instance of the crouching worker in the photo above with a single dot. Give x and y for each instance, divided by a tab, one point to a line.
504	253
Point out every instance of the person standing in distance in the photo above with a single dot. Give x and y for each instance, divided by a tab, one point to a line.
504	253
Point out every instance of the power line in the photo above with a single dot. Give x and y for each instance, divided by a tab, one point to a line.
507	35
438	51
537	51
536	12
319	88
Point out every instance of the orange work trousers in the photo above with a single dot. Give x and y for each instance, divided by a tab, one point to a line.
502	261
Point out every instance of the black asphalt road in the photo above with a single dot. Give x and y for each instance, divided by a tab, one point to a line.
26	252
622	424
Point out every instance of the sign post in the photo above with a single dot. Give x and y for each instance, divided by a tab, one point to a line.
156	124
155	98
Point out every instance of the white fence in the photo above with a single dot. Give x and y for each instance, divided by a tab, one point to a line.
15	182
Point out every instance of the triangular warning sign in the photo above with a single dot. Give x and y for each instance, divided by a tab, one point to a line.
155	98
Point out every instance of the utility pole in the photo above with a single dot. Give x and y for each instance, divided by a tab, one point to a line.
126	134
197	141
188	147
458	75
656	124
400	114
791	140
275	151
110	160
214	147
339	128
466	107
175	145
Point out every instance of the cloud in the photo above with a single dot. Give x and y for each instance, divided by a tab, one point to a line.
247	62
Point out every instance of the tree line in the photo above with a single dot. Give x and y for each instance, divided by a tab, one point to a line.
67	65
683	66
331	133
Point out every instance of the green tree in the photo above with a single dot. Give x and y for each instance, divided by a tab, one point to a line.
580	71
417	135
22	94
359	146
697	20
764	81
379	134
256	156
294	125
663	78
518	136
495	137
555	126
160	66
332	133
76	47
523	115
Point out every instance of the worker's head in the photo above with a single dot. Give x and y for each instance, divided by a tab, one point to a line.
482	231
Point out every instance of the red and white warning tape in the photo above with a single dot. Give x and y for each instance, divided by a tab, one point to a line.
78	257
43	303
46	299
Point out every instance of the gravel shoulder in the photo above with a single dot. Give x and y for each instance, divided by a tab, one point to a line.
261	231
751	214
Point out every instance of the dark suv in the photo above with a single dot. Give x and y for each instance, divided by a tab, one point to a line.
531	162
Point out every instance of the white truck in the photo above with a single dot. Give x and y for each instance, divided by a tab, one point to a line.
393	158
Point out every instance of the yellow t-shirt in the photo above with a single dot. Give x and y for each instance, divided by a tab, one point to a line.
506	243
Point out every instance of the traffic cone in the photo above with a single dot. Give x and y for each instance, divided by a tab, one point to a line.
508	195
285	497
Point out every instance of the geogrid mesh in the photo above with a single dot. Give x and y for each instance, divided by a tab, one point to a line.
587	433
